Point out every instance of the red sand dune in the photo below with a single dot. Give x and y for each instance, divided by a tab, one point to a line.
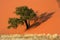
7	8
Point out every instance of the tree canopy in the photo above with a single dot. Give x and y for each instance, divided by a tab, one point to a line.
25	13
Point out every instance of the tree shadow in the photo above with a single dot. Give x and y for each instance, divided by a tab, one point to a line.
41	19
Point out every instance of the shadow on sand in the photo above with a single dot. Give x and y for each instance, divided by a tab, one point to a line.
58	2
43	18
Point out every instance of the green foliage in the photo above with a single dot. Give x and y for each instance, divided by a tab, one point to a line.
14	22
21	10
25	14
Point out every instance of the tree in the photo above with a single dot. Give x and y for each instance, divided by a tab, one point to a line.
26	15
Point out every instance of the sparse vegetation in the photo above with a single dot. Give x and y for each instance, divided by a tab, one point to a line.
25	13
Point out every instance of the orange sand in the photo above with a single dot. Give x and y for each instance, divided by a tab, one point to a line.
7	8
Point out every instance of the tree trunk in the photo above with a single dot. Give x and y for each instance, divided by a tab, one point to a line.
27	25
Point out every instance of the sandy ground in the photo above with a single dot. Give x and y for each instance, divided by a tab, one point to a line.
30	37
